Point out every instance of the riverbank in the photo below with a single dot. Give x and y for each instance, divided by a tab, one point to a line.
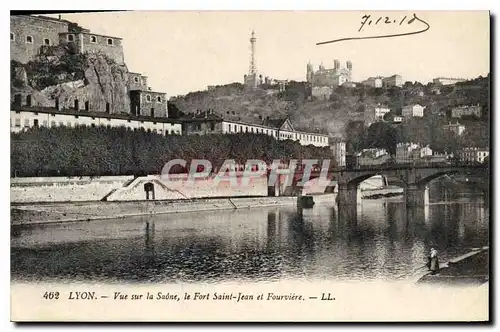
42	213
471	268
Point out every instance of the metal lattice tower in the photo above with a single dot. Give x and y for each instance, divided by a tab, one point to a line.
252	70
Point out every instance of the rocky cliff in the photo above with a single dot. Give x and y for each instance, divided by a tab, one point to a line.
94	80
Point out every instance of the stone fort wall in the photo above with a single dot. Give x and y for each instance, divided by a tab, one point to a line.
30	33
40	30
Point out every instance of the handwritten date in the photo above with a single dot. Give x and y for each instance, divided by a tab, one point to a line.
368	20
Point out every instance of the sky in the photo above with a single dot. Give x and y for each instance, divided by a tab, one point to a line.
184	51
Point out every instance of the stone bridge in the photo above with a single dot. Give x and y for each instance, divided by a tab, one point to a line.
414	179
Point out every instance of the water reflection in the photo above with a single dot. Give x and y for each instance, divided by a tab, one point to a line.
377	239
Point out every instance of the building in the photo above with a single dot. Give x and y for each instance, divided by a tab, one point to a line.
322	92
27	117
411	111
208	122
374	114
339	151
447	80
466	110
456	128
332	77
148	103
409	152
32	35
473	154
397	119
202	123
374	82
373	156
394	80
29	35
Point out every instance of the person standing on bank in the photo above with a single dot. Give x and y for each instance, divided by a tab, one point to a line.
433	261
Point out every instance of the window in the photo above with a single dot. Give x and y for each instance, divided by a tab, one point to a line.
110	41
152	112
93	125
45	123
93	39
212	126
52	123
61	124
136	79
229	127
35	123
29	39
46	41
158	99
76	116
148	98
70	38
68	123
12	36
26	122
18	123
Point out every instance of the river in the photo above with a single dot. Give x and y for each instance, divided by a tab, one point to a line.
378	239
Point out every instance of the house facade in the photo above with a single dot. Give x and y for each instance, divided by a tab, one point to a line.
374	114
411	111
473	154
208	122
22	118
466	110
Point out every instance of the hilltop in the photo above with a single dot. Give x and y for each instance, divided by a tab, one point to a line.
331	116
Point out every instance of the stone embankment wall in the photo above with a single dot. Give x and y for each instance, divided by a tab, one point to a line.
64	189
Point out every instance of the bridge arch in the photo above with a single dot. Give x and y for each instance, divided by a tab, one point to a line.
421	182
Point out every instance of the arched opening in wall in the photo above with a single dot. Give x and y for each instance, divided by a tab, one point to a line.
57	103
87	106
76	104
107	108
17	100
149	188
28	100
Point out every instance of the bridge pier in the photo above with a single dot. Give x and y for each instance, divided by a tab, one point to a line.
347	194
416	195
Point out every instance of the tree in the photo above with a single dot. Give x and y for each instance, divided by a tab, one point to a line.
354	133
382	135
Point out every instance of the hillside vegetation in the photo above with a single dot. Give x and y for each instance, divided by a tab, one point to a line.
330	116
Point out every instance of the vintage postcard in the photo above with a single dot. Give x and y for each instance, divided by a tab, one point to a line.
250	166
